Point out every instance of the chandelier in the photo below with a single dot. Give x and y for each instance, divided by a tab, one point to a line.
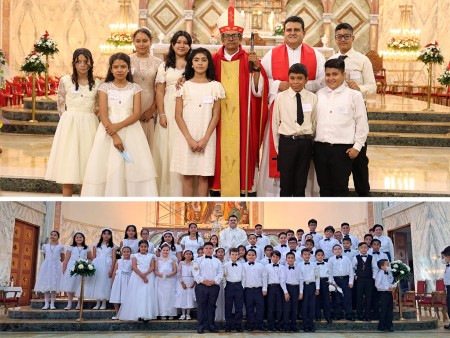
120	38
404	44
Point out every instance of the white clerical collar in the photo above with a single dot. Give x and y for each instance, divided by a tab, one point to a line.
229	56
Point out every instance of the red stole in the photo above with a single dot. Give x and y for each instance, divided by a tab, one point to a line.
258	119
280	70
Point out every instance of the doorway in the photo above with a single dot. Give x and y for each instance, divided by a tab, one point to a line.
402	240
24	258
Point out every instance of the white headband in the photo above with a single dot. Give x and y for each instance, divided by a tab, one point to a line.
168	232
109	229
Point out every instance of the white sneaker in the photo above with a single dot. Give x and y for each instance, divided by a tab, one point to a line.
68	307
103	307
96	307
182	317
46	307
188	317
77	308
52	307
170	318
114	318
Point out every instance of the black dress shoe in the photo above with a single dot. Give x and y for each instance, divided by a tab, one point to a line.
280	329
447	327
200	331
306	330
294	329
262	328
239	330
312	329
329	321
213	330
250	329
227	330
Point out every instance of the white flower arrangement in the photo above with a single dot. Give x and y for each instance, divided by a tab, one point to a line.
33	63
431	54
46	45
400	270
83	267
444	78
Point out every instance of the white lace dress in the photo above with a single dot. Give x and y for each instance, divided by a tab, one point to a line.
132	243
99	285
120	284
50	273
75	132
185	298
169	183
73	283
107	172
141	300
165	287
198	101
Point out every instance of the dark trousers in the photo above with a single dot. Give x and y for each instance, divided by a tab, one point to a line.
309	305
275	298
360	171
323	300
447	287
344	301
375	303
206	305
364	288
294	158
254	307
333	168
387	310
234	295
290	308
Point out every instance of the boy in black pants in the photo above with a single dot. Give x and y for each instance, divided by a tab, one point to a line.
364	285
309	289
323	299
383	283
274	293
234	292
290	283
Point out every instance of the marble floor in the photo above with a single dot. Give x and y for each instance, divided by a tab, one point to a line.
393	169
324	334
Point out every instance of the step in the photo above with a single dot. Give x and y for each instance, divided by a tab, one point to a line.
26	127
419	127
38	304
409	139
21	184
20	325
42	103
409	116
18	113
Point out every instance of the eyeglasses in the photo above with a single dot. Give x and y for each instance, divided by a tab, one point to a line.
230	36
343	37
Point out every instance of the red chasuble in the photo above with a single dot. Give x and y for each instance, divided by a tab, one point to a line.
258	120
280	70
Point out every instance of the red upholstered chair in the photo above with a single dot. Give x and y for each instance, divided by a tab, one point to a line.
9	299
440	286
423	299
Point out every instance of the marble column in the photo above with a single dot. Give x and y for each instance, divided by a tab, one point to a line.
188	19
373	33
5	28
327	27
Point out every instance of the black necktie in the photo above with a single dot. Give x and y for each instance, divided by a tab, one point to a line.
291	267
386	273
327	239
293	250
321	263
270	261
210	257
283	245
347	250
312	232
233	264
338	257
342	57
275	265
363	255
299	109
312	252
251	263
307	263
448	264
259	236
346	236
375	253
253	246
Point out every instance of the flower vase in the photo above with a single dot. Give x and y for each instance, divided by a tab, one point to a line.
46	78
400	306
33	100
430	77
80	318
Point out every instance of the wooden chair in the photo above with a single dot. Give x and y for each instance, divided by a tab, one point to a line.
409	299
378	71
444	98
9	299
440	303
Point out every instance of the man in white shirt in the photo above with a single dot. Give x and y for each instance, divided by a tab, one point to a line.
276	63
345	228
312	226
359	77
232	236
262	240
341	131
386	242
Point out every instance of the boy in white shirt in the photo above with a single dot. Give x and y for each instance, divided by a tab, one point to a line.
383	283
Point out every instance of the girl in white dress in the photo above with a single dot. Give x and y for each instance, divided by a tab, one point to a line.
99	286
120	163
169	72
130	240
214	239
49	277
71	285
193	241
121	276
141	302
242	254
166	282
197	112
175	249
77	97
220	310
145	235
144	67
185	294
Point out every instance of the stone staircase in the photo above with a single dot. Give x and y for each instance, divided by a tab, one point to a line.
33	319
